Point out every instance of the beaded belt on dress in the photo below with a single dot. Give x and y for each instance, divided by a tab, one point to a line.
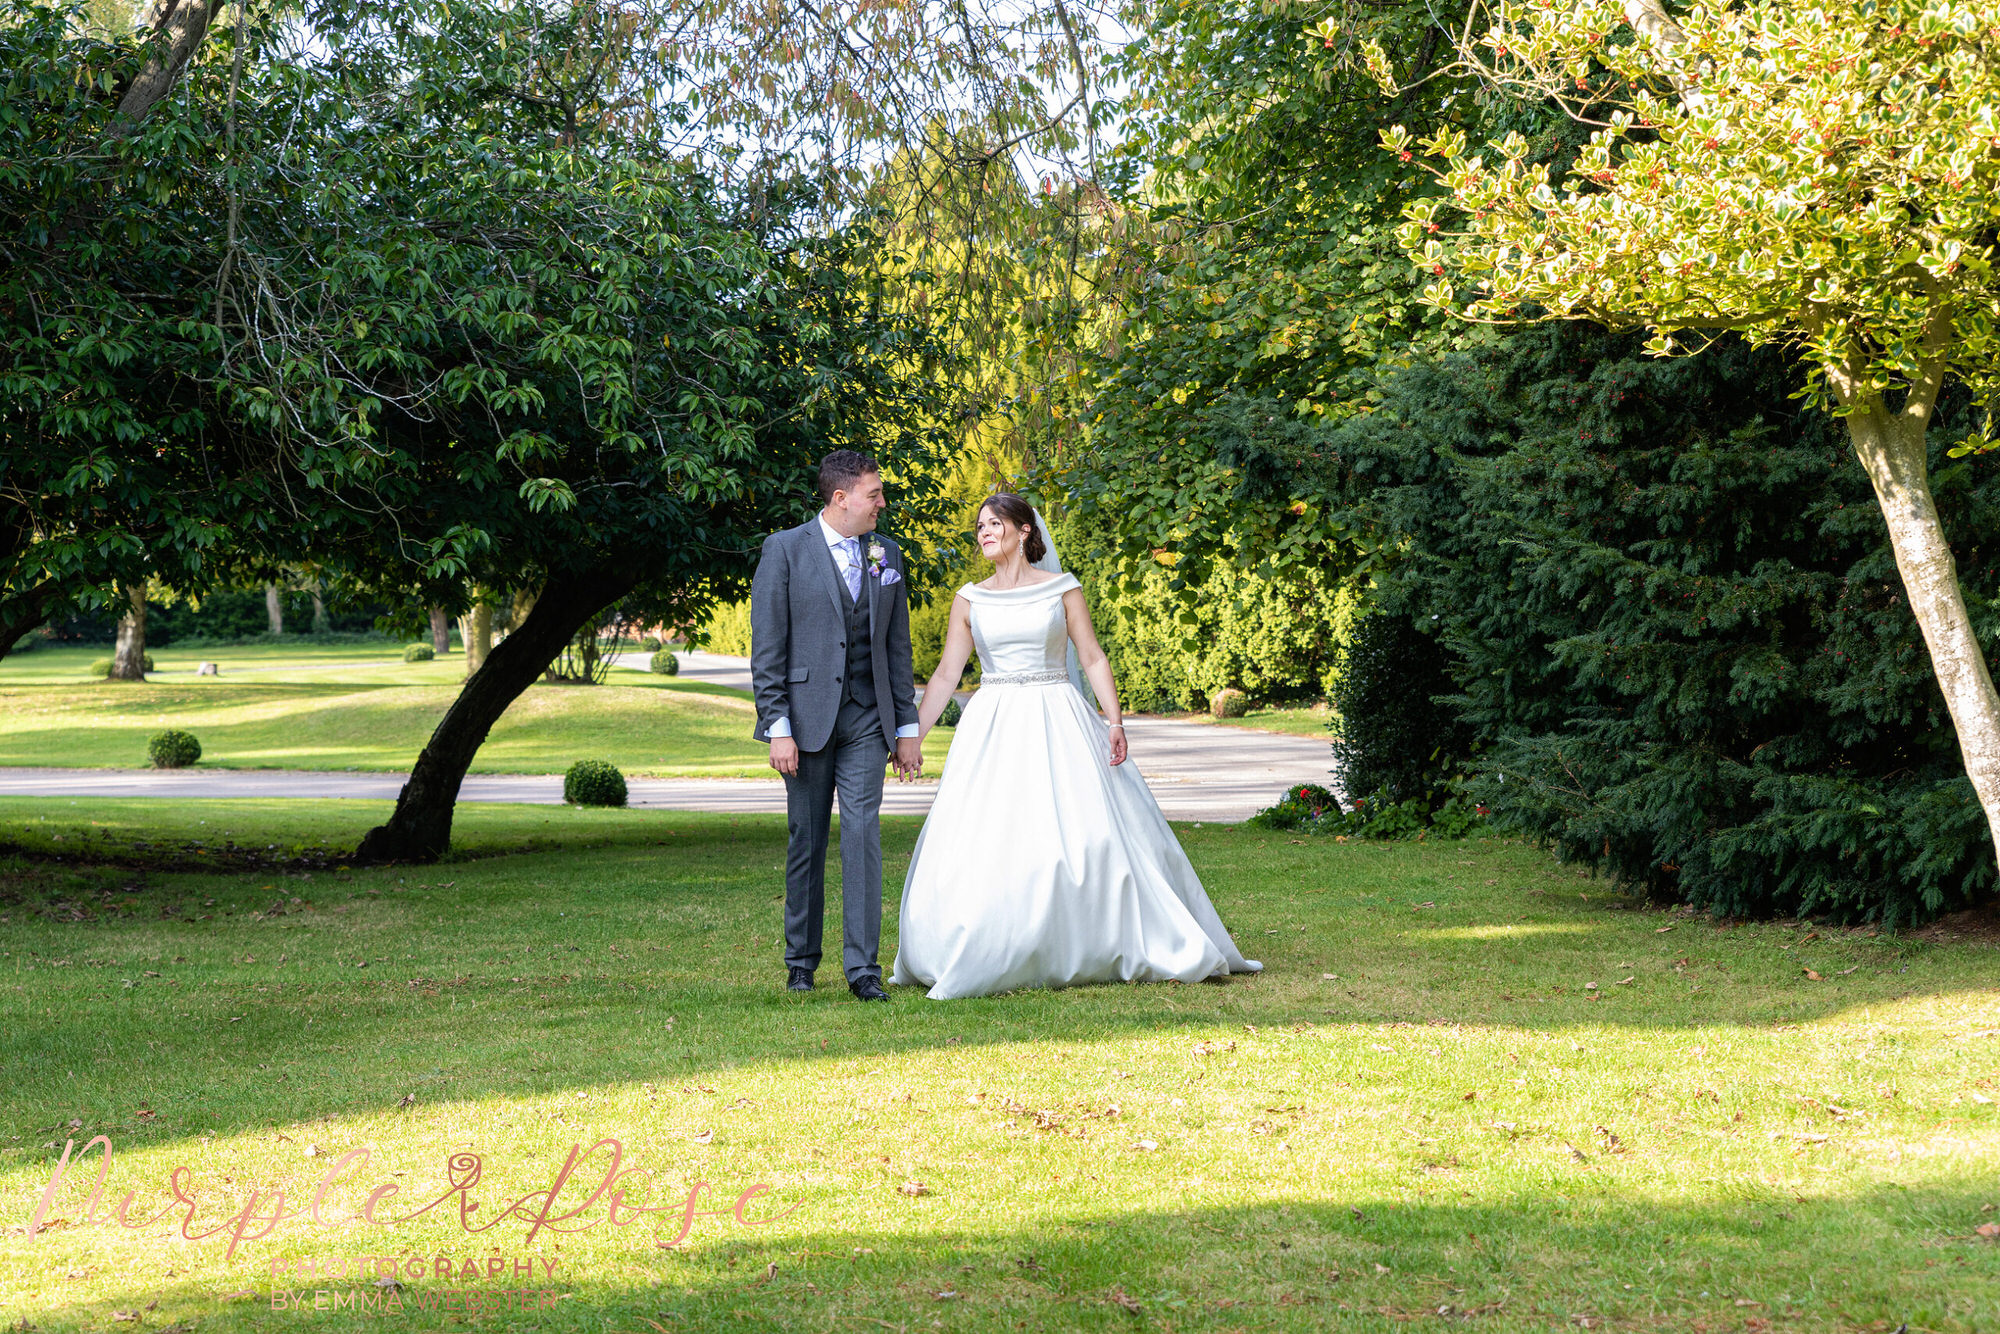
1047	678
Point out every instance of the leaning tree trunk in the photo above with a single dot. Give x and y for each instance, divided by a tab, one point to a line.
420	829
128	660
1892	450
440	631
320	622
274	609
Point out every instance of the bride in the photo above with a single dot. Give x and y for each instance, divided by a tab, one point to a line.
1045	861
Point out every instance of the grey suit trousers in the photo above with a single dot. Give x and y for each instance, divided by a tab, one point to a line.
851	763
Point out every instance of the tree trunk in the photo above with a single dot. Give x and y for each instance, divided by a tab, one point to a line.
128	660
183	23
320	623
274	608
420	829
440	631
475	628
1892	449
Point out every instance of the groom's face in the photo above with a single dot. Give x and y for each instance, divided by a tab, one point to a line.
855	510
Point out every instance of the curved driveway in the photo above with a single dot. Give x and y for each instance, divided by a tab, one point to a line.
1197	771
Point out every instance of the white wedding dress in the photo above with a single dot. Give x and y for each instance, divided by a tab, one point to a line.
1042	864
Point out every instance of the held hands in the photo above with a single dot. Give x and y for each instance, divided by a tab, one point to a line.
909	758
1117	743
784	755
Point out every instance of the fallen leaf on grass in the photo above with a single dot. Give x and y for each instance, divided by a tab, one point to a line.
704	1137
913	1189
1470	1097
1146	1145
1811	975
770	1272
1120	1297
1990	1231
1381	1269
1661	930
1623	982
947	1295
1745	1301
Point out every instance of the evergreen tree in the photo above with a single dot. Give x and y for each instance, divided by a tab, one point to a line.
1681	644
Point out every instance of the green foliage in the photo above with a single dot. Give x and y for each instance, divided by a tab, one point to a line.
1312	809
1393	735
650	644
1262	287
1677	634
418	653
594	783
726	629
173	750
664	663
102	666
1229	702
1276	633
952	713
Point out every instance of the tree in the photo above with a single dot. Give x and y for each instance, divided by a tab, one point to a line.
1819	176
119	462
1678	647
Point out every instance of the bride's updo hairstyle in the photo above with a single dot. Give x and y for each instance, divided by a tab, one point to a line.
1018	513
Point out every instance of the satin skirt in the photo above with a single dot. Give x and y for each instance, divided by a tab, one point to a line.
1042	865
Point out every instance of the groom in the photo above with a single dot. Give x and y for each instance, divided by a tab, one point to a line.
830	663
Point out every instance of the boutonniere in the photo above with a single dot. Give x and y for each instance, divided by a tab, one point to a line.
876	553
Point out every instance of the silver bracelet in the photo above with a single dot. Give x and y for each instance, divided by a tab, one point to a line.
1117	724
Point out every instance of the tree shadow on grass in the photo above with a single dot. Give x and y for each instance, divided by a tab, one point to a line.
229	1004
1581	1255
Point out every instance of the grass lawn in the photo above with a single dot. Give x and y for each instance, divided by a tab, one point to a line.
1306	721
1469	1084
361	707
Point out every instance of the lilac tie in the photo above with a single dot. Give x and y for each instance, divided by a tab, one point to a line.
851	547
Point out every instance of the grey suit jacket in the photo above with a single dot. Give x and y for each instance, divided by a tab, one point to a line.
798	636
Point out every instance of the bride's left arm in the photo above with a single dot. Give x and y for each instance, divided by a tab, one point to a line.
1096	668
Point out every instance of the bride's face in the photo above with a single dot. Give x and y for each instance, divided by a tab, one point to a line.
997	537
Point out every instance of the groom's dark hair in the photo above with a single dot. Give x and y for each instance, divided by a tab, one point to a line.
839	471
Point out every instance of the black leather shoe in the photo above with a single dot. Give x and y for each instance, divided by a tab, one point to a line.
801	979
868	989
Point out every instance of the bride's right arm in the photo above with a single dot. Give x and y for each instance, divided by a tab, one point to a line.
951	666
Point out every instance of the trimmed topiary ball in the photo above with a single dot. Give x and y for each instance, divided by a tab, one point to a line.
666	664
173	750
650	643
1229	702
951	714
594	783
418	653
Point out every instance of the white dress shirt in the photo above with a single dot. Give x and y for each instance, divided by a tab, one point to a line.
837	543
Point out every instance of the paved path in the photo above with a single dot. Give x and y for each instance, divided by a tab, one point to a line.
1197	771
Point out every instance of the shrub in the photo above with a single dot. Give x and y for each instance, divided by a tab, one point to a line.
173	750
1391	735
727	629
1229	702
1277	634
418	653
594	783
951	714
1681	634
1312	809
650	644
665	663
102	666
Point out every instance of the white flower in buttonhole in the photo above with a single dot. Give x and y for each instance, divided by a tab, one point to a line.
877	553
